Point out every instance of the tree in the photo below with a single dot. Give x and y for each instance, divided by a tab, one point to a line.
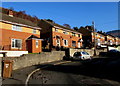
50	20
91	28
67	25
76	28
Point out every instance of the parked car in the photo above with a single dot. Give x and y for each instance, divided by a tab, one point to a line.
81	56
113	53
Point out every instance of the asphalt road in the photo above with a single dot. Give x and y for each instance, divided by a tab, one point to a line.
98	71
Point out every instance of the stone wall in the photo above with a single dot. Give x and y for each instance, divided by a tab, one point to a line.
34	59
90	51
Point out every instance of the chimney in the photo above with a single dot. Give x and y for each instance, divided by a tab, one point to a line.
10	13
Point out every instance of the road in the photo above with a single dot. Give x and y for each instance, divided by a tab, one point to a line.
99	71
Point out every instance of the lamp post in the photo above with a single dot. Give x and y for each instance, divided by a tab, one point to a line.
94	38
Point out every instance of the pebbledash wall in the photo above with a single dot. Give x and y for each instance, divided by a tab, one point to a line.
90	51
35	59
45	57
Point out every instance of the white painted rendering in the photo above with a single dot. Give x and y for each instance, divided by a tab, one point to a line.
13	53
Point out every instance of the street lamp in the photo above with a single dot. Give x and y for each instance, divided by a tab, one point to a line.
93	24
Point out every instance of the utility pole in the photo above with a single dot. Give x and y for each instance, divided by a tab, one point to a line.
93	24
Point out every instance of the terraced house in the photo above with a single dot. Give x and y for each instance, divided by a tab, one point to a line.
57	36
117	40
91	38
19	34
110	39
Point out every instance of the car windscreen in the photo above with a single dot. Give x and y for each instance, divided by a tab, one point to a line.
85	53
77	54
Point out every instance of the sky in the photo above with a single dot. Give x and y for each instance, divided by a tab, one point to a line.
76	14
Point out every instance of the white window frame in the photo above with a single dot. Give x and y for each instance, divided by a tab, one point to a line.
56	30
66	42
64	32
79	45
34	31
16	28
73	34
15	43
37	43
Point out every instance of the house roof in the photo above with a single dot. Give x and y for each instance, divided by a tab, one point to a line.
33	36
55	24
17	20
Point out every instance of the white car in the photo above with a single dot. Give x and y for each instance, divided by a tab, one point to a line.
81	56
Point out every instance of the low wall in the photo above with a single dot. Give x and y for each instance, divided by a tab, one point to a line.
34	59
90	51
13	53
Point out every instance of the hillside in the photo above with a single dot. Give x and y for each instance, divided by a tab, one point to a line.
114	33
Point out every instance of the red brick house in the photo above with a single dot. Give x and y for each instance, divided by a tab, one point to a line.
91	38
55	35
18	34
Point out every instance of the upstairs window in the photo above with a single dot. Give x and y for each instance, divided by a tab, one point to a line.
78	35
65	32
73	34
16	28
16	43
34	31
56	30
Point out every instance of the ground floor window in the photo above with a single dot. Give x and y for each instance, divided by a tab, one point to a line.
78	44
16	43
65	42
74	43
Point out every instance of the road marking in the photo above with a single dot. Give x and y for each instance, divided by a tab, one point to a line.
26	82
62	62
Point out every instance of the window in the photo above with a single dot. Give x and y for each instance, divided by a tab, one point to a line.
73	34
100	36
37	43
34	31
56	30
96	35
16	28
78	35
65	42
65	32
85	53
16	43
74	43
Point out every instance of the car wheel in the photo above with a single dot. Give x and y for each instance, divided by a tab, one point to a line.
83	58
